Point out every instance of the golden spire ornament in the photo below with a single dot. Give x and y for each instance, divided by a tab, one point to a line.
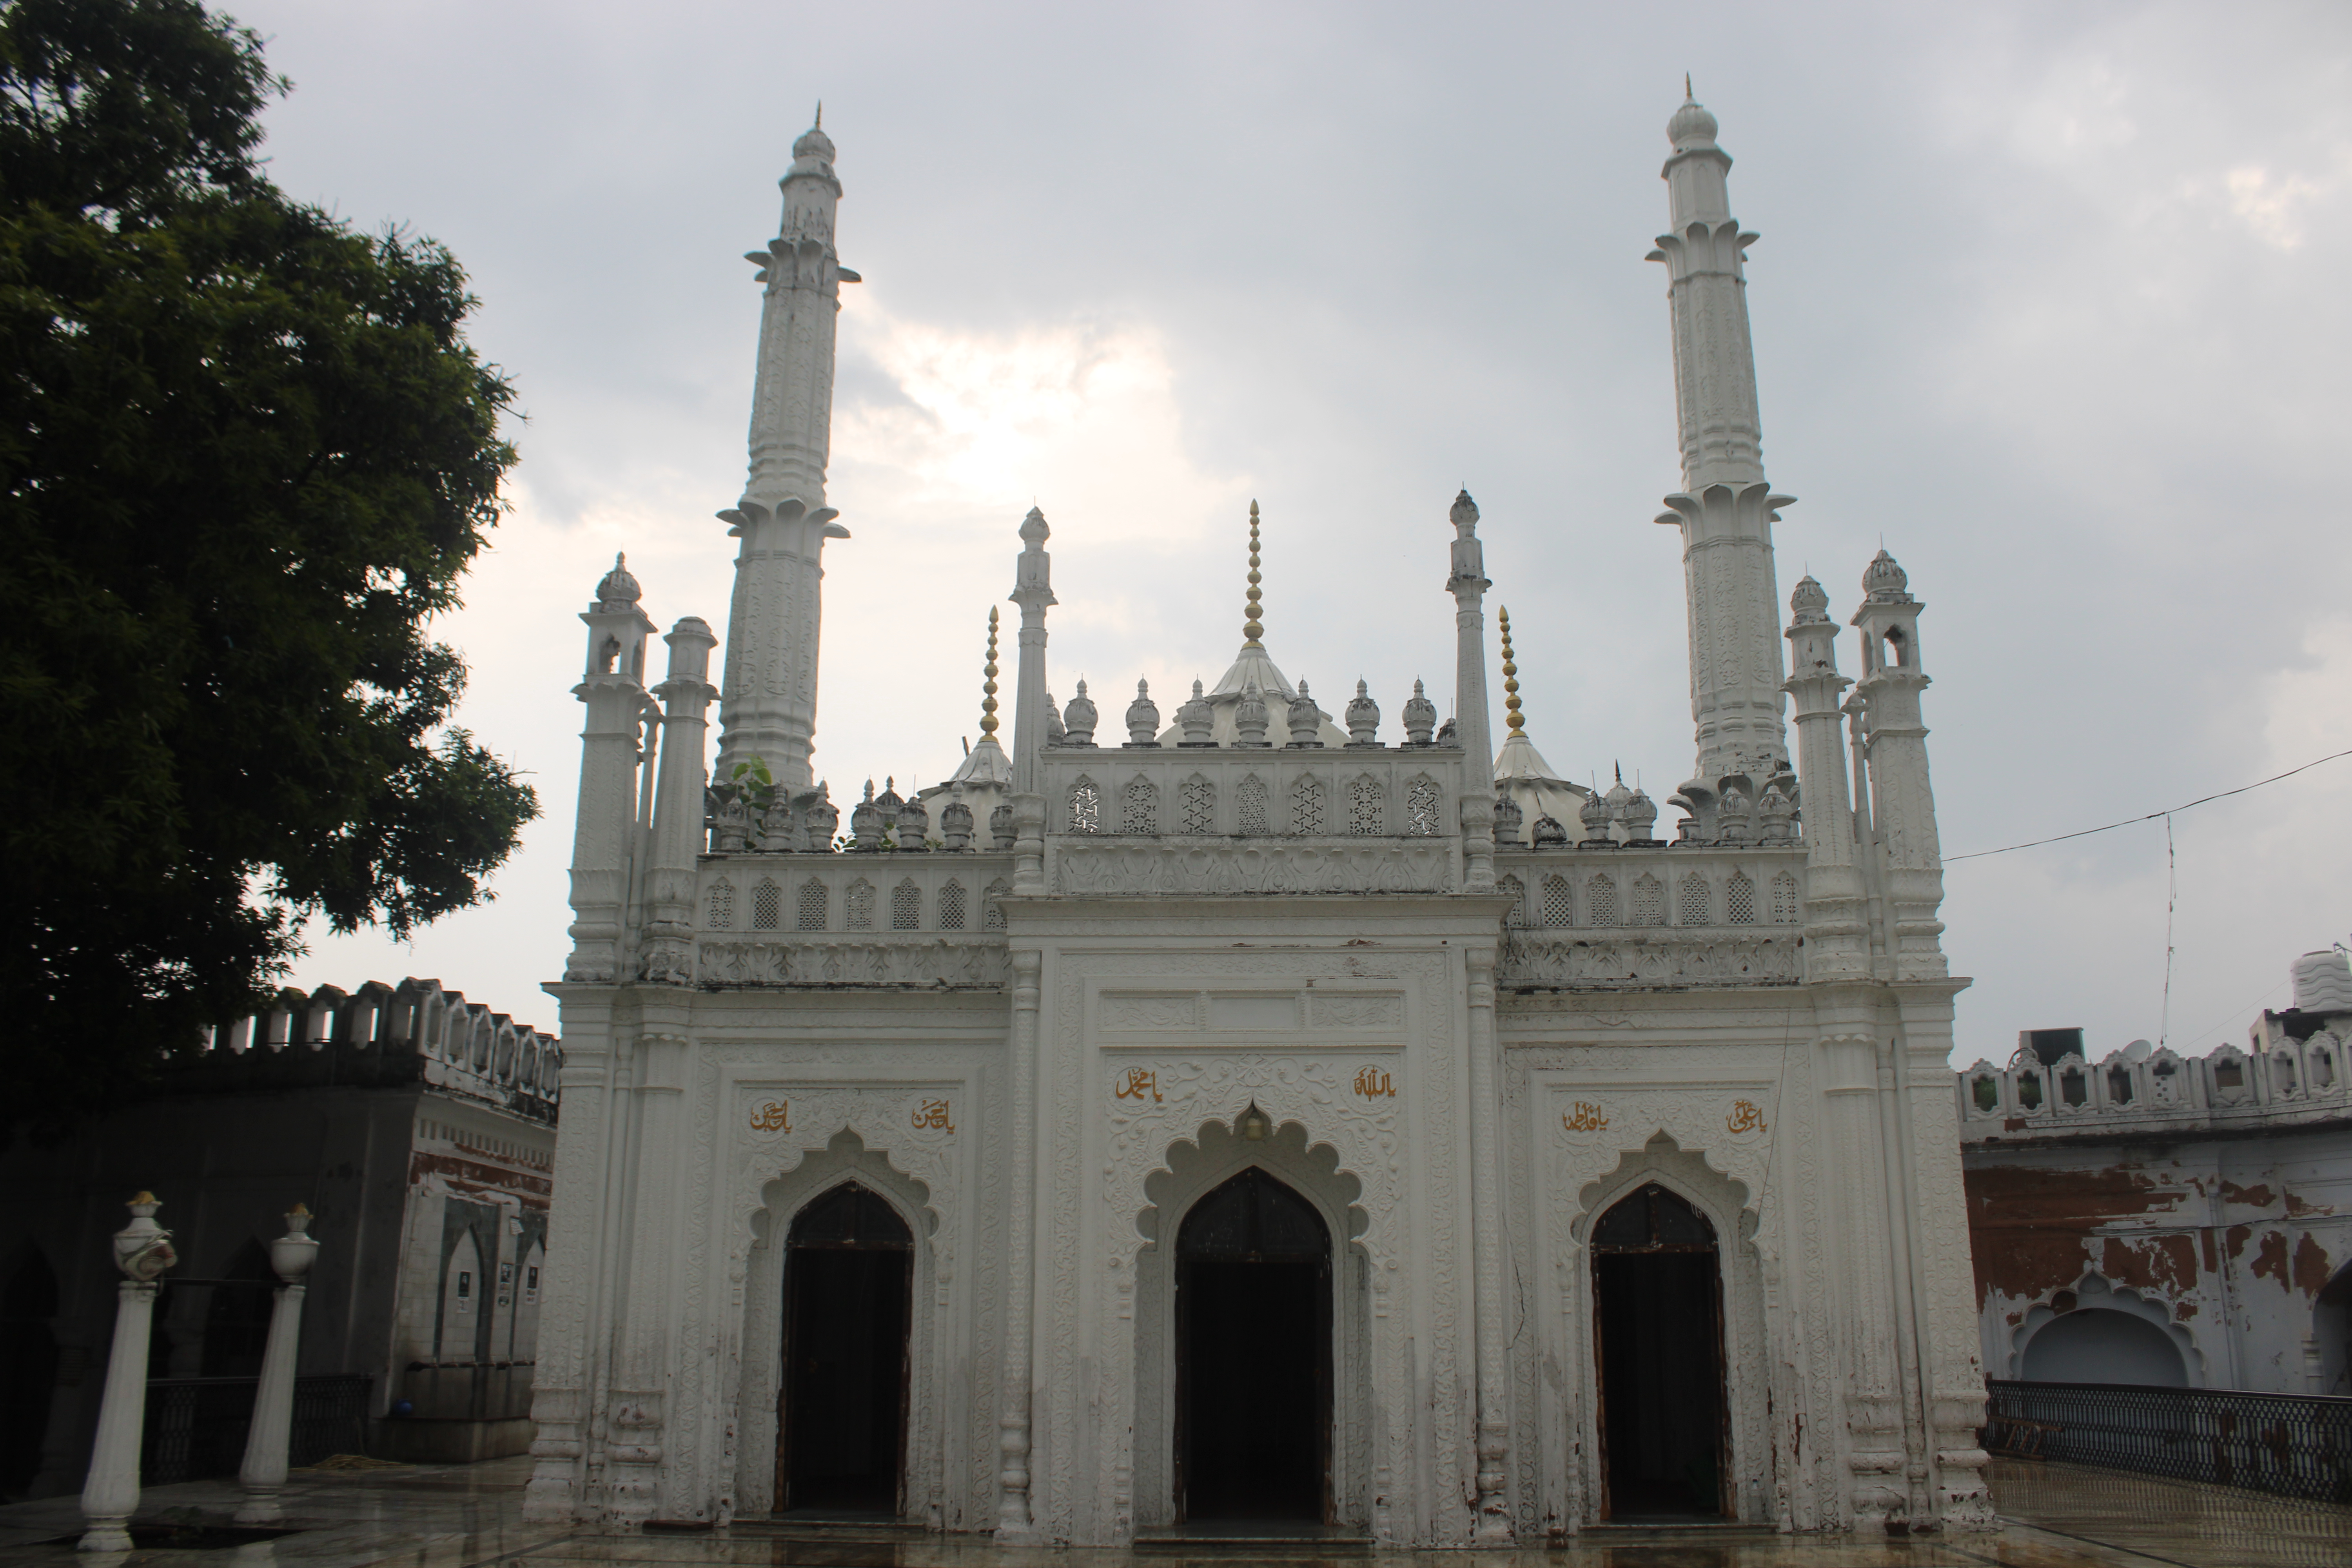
1510	680
1253	628
988	686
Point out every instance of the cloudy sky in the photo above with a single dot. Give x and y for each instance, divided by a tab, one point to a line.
2050	299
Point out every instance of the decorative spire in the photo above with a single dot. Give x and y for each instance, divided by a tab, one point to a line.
988	686
1252	627
1511	677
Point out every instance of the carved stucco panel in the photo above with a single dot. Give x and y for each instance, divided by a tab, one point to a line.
736	1084
1391	1145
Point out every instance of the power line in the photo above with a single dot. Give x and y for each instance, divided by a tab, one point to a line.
2151	817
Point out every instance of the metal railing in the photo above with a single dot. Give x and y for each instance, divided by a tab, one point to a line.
2292	1445
196	1426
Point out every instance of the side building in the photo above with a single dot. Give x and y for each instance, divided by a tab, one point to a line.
2158	1219
419	1130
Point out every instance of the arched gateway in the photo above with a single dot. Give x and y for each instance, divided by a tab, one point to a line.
1253	1355
842	1411
1657	1328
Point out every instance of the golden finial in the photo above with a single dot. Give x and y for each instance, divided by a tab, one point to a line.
1253	628
1687	98
988	686
1510	680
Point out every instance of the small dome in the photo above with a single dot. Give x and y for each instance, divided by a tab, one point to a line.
814	143
618	586
1885	581
1811	601
1692	126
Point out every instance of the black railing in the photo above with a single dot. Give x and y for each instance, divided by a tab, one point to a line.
196	1426
2294	1444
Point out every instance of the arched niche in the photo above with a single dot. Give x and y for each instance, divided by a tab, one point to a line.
1723	1201
2331	1332
844	1159
2097	1333
1192	1170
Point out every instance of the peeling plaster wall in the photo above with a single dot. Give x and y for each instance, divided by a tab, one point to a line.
2229	1240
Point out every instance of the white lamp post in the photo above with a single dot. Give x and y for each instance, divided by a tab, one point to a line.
142	1250
263	1474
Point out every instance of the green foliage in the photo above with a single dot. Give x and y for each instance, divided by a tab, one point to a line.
246	453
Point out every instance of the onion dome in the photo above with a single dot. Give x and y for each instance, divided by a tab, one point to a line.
1363	718
1143	717
1809	603
1198	719
1250	717
1885	583
1079	718
619	589
813	143
1305	719
1641	813
1594	813
1691	128
1420	717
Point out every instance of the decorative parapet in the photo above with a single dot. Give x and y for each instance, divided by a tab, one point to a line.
1530	960
1123	865
378	1035
1604	887
2282	1081
1282	791
933	964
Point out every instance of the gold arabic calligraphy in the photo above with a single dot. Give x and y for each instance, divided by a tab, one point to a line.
776	1116
933	1113
1744	1118
1138	1082
1585	1118
1374	1084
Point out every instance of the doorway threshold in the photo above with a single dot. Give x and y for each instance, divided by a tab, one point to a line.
1258	1535
1666	1527
829	1524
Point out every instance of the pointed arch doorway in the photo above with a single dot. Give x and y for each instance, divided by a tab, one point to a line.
1253	1355
841	1402
1657	1326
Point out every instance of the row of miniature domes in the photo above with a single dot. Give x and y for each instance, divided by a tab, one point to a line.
1075	724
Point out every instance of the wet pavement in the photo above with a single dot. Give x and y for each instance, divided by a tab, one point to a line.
459	1516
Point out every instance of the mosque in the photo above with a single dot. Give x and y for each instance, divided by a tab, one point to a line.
1253	1117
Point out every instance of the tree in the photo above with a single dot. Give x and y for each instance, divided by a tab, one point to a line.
245	454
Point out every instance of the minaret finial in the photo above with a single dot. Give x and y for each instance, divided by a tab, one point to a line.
1252	627
1688	96
1510	678
988	686
820	104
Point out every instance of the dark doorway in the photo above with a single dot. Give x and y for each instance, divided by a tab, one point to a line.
1658	1320
842	1428
1253	1355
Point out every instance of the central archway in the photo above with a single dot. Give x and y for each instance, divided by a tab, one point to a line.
1253	1355
842	1424
1658	1323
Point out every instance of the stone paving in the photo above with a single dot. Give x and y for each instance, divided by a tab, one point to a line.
459	1516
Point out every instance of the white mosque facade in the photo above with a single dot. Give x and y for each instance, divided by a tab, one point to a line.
1252	1113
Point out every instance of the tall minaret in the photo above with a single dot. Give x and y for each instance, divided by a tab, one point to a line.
767	705
1726	510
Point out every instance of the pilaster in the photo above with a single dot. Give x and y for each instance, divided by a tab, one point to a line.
1492	1511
